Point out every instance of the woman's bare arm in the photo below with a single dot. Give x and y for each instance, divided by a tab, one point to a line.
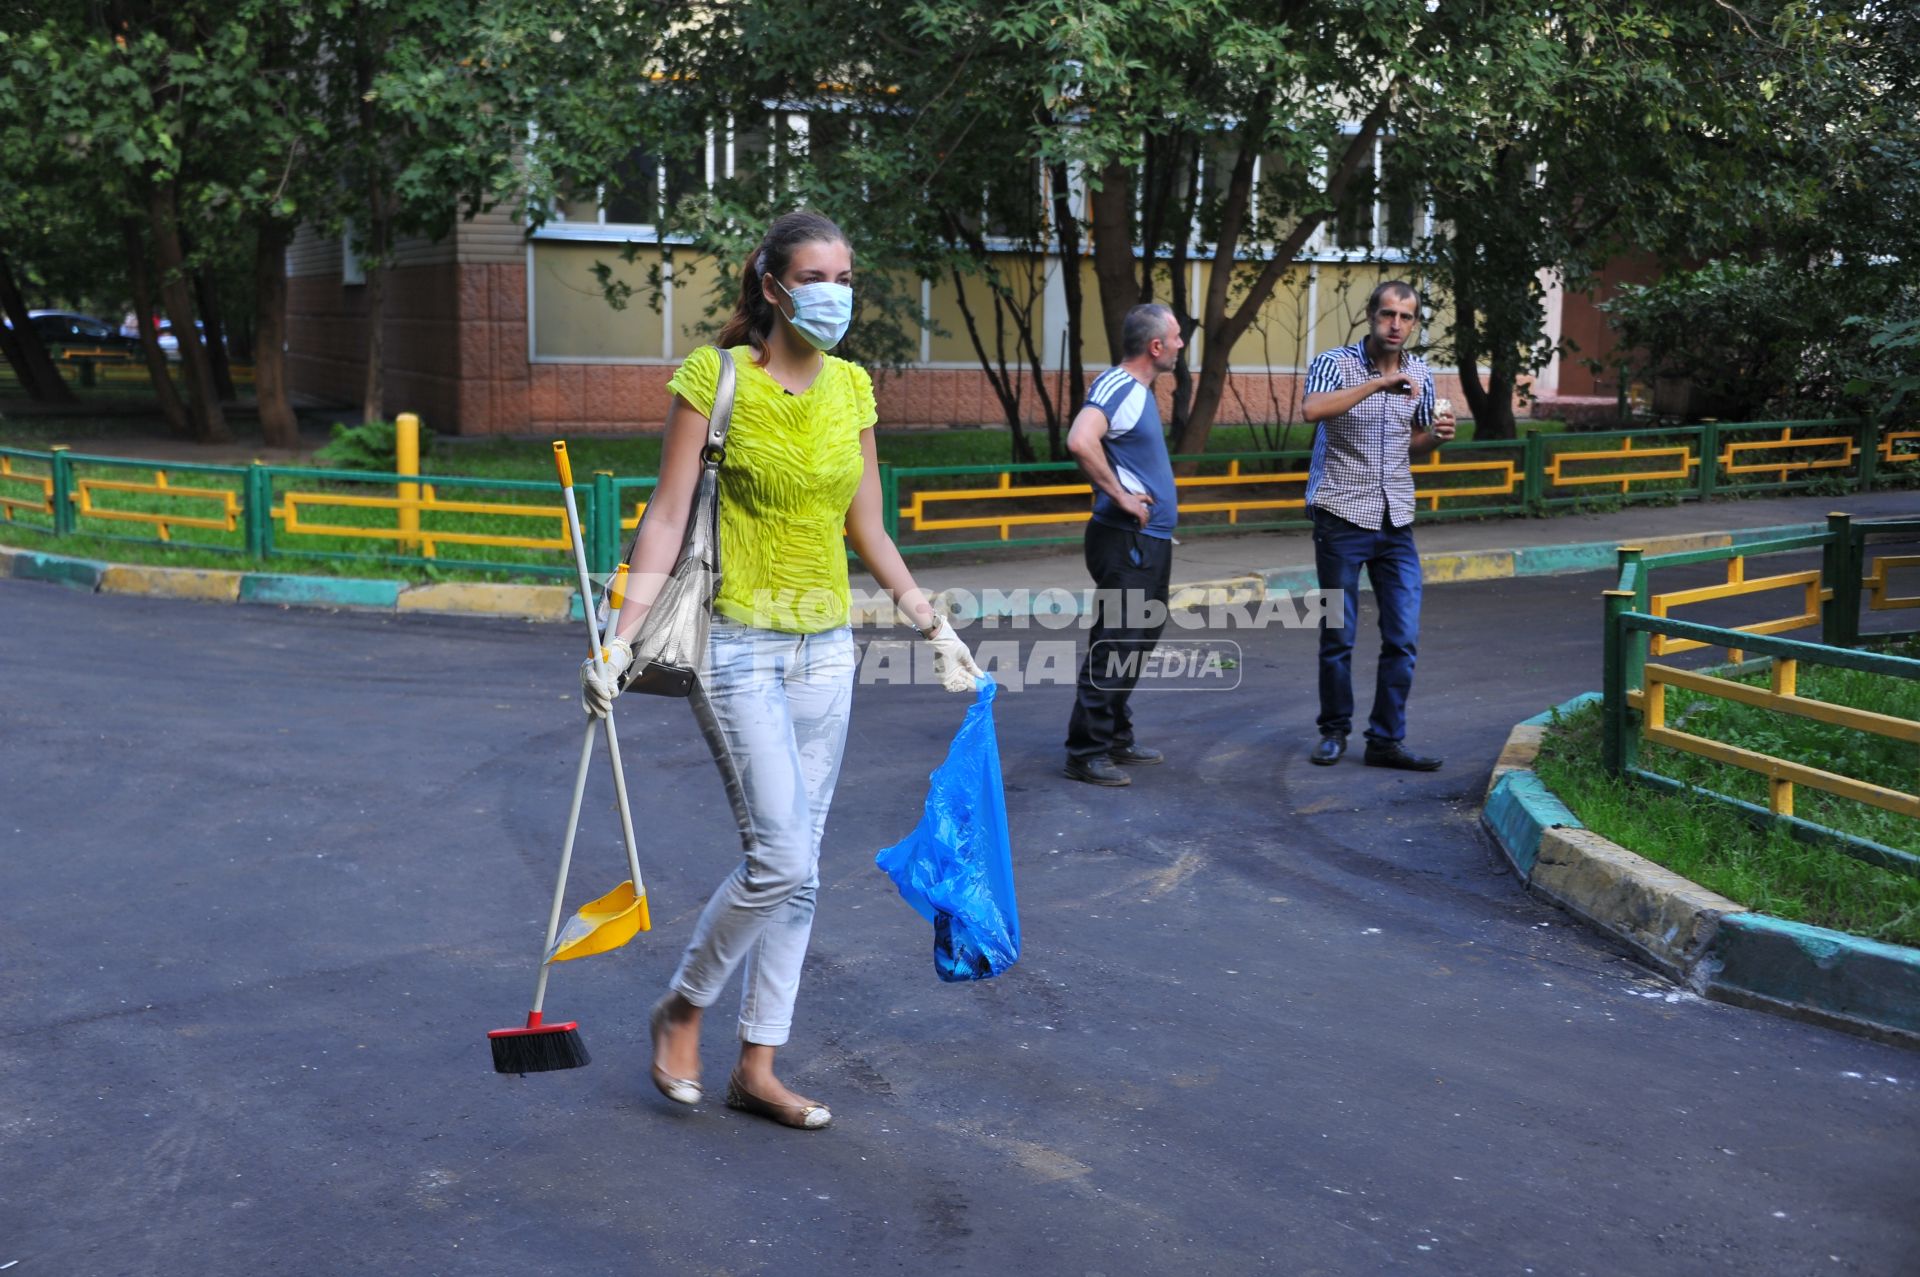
657	547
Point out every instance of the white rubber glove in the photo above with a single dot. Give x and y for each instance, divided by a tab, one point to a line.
951	659
599	684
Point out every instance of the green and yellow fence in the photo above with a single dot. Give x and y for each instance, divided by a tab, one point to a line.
291	513
1642	630
516	527
1043	503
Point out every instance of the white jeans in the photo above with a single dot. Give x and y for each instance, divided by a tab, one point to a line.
773	707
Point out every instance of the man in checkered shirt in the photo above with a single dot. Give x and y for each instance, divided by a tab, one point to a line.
1375	404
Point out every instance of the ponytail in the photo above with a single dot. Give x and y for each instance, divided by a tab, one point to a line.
752	320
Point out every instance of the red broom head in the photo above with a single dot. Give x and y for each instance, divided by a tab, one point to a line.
538	1048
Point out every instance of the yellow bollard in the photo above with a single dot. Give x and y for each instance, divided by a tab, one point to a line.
406	460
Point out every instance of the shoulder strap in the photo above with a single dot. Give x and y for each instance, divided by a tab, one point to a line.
722	415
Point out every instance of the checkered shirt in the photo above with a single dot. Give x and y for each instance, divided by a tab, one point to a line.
1360	463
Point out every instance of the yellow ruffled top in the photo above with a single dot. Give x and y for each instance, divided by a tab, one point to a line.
792	467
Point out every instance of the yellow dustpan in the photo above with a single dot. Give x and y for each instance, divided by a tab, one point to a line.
606	923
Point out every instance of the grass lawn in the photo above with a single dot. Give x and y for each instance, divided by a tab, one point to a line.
1717	847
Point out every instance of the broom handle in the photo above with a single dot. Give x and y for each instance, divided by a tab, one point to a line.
566	861
599	652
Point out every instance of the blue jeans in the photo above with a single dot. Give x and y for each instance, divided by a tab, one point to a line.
1340	550
773	708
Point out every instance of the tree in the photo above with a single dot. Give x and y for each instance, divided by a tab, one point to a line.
1227	132
1607	127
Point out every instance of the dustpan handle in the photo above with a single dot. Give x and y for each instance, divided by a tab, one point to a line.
597	650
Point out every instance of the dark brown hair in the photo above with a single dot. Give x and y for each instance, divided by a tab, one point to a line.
1393	287
752	319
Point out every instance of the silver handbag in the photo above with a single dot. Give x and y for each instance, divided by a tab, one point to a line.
672	642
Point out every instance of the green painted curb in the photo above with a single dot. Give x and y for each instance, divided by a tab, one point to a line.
32	565
318	591
1444	567
1519	810
1555	560
1563	708
1710	944
1826	976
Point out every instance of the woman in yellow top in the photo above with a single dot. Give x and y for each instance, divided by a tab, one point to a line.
773	697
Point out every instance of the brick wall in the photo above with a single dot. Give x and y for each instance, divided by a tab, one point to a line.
456	354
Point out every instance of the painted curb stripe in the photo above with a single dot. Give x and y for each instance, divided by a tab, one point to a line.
318	591
532	602
206	584
1700	938
32	565
1518	811
1797	966
1563	708
542	602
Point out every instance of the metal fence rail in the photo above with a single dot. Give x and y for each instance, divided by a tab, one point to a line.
290	513
934	508
1639	625
515	526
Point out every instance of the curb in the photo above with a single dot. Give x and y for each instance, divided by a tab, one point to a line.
1704	941
561	602
212	585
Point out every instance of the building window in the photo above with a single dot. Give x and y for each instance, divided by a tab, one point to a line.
1382	209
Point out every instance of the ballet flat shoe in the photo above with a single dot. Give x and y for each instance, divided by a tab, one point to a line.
805	1116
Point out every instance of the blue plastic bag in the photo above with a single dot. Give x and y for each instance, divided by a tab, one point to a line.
956	867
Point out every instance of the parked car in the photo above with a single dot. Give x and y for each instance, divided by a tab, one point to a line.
67	329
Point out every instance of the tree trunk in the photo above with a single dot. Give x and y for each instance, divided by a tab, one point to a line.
1225	328
176	292
1490	405
277	421
1067	227
373	391
1178	296
1113	266
24	349
140	290
208	299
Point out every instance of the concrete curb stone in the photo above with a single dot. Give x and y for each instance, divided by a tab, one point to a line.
562	603
1713	945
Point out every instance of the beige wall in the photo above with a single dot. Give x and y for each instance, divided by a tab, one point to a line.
571	318
458	333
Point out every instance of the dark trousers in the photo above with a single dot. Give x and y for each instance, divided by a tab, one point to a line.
1340	550
1128	569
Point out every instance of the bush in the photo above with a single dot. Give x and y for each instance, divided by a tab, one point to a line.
1769	338
367	447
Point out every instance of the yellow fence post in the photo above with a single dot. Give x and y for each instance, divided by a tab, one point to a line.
1785	682
406	460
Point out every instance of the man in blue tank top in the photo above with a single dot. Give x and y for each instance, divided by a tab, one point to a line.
1118	440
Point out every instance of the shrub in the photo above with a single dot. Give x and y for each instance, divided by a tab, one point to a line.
367	447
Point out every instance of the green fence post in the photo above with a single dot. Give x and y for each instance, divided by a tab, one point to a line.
1634	649
1870	427
603	536
256	509
890	501
1709	460
1616	731
1533	477
1841	565
62	491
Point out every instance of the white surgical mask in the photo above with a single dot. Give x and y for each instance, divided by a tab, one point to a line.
821	312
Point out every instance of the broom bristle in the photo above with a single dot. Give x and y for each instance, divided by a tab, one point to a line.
539	1052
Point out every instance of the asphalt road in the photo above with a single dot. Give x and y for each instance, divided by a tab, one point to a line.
268	878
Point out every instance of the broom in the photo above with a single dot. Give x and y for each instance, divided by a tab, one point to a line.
539	1047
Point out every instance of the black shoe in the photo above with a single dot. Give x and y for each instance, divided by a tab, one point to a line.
1392	754
1098	770
1135	755
1327	750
